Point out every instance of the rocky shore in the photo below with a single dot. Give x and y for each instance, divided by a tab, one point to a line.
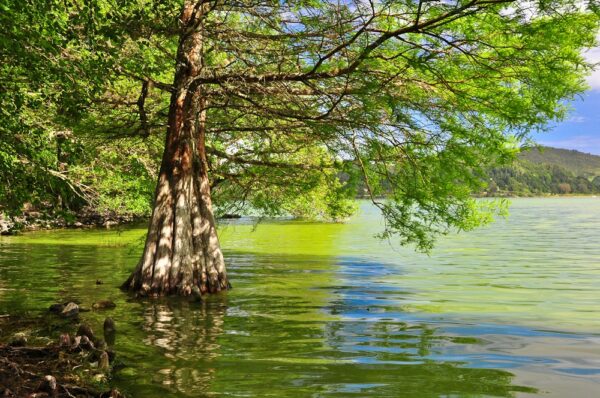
33	220
57	354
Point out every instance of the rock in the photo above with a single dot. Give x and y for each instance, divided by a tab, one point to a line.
111	355
196	293
33	215
70	310
38	395
101	344
110	223
103	305
49	386
86	343
82	342
103	362
109	331
56	308
6	225
77	224
65	340
230	216
114	393
18	340
109	326
85	330
100	378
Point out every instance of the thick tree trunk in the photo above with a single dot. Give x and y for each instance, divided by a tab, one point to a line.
182	254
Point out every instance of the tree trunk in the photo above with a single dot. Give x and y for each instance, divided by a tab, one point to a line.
182	254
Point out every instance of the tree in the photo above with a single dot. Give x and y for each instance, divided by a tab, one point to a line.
270	102
564	188
33	150
50	77
596	184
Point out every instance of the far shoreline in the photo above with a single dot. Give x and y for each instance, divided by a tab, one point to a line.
548	196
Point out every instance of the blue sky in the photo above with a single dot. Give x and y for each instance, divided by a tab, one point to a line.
581	130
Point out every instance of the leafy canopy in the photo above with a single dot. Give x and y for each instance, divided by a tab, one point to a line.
303	98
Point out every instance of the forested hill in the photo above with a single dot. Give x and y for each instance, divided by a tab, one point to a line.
547	170
579	163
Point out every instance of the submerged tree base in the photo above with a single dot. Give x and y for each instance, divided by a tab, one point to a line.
195	291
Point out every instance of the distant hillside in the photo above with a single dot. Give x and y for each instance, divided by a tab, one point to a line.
547	171
579	163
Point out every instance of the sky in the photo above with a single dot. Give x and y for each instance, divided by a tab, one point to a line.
581	130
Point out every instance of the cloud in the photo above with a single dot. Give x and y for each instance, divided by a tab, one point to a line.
583	143
577	119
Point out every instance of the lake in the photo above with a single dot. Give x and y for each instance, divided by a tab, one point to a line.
327	310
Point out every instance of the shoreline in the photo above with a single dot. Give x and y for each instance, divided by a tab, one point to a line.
30	221
87	218
56	355
548	196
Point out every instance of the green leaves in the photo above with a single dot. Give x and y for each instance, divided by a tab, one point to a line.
305	99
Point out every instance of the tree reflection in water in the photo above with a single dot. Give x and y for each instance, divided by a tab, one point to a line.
187	333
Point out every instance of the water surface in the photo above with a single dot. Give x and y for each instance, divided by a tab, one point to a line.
326	310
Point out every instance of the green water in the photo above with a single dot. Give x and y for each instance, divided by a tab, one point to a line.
326	310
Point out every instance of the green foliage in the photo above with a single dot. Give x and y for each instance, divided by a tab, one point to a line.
417	99
55	60
33	152
324	199
123	174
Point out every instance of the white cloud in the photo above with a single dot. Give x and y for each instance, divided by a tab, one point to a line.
577	119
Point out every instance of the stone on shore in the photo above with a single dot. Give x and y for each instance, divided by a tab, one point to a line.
70	310
85	330
18	340
104	305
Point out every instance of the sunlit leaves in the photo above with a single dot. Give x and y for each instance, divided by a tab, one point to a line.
414	99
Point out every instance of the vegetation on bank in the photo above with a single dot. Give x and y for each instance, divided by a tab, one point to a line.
119	188
547	171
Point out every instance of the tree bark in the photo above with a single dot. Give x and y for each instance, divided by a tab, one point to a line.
182	254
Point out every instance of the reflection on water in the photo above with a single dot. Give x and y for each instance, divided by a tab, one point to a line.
187	335
325	310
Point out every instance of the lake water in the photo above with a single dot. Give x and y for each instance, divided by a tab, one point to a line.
326	310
